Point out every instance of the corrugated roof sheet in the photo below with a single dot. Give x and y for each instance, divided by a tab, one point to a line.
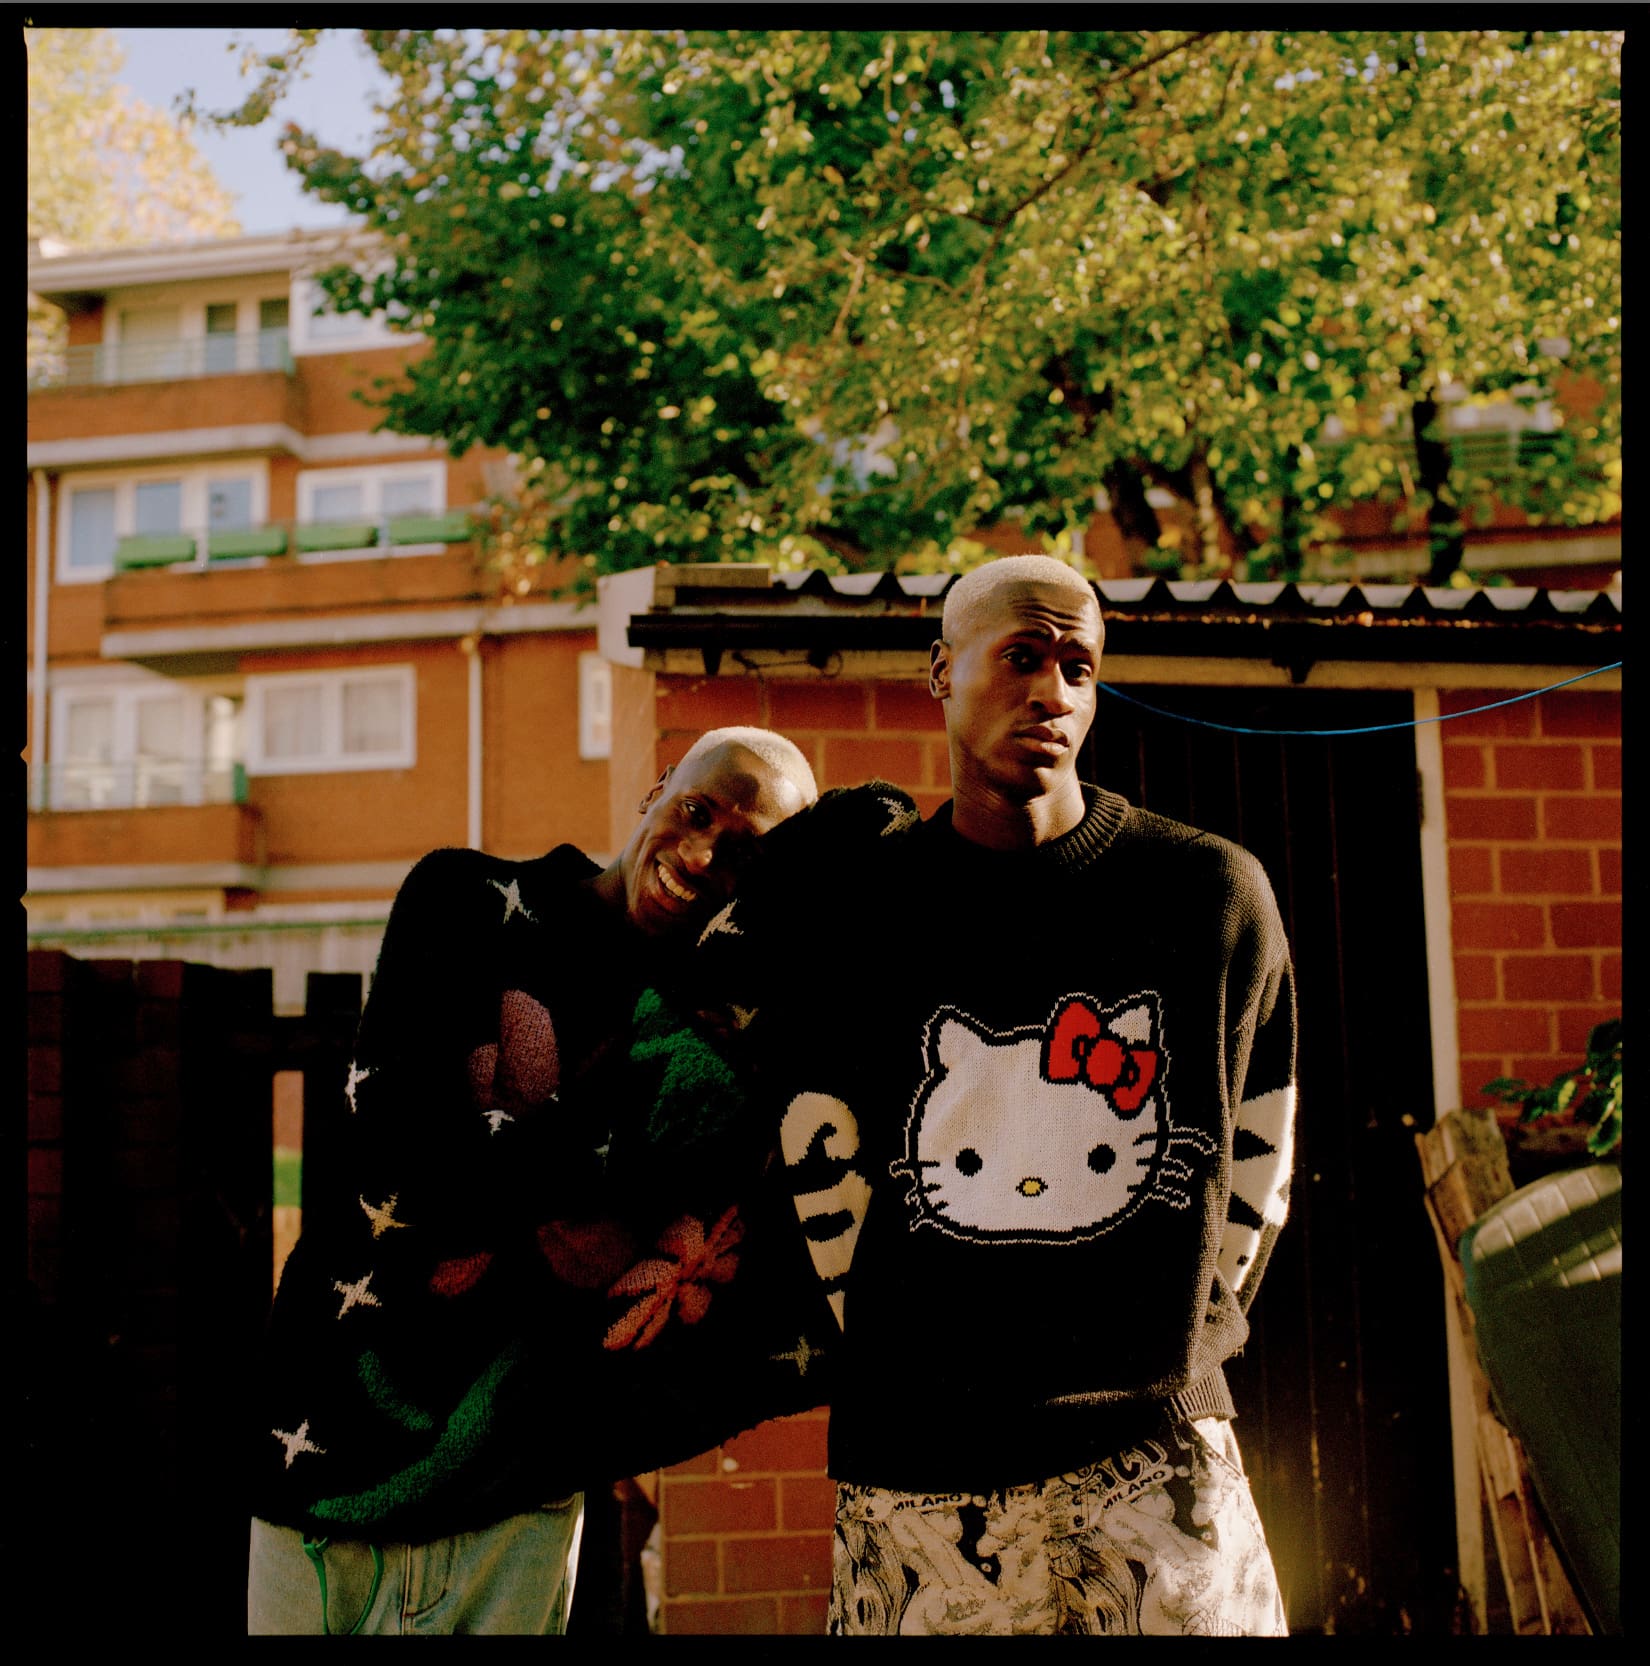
719	610
1211	596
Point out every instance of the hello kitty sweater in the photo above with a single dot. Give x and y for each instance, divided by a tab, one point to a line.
1039	1129
547	1256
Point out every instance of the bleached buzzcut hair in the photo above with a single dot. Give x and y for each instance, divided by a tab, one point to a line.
975	592
774	749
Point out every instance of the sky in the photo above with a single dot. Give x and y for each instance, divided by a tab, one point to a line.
161	63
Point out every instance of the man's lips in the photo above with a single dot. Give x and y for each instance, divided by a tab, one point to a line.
1044	737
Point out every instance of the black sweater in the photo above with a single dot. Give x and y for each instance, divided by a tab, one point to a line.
547	1254
1039	1124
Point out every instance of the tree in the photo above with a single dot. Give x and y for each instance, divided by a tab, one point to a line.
104	168
850	295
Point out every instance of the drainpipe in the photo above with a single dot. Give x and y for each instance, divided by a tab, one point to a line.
42	585
471	645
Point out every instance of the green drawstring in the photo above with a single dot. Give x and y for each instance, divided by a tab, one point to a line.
313	1549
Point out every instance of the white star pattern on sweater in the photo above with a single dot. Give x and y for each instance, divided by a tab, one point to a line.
512	900
356	1077
721	920
356	1294
496	1120
383	1216
297	1441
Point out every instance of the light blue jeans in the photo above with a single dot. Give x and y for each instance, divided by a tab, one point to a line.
511	1579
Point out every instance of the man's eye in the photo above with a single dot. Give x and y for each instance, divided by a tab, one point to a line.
1079	671
697	815
1022	659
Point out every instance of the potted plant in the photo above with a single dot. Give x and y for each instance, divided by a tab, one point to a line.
1574	1118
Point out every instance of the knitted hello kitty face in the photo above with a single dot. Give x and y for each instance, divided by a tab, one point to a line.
1046	1134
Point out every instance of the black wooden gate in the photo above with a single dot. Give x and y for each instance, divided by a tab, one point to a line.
150	1261
1342	1392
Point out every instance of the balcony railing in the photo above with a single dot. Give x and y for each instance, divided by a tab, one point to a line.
216	546
148	783
106	363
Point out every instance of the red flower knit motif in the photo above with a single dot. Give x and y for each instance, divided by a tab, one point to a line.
589	1255
693	1260
460	1274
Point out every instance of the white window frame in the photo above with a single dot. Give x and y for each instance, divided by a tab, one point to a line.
372	478
192	305
332	759
196	480
595	706
126	789
308	298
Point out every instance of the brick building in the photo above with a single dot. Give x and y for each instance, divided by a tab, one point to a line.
268	666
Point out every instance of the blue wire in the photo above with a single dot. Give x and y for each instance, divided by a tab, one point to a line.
1366	729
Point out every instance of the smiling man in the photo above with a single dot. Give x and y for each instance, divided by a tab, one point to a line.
681	863
476	1295
1040	1165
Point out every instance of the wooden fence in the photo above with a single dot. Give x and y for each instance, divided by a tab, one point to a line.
149	1266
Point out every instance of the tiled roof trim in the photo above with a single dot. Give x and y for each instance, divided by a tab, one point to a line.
1222	597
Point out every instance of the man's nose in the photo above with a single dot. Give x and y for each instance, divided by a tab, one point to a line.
698	852
1051	692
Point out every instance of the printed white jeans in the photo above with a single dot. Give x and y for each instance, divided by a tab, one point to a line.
1159	1540
512	1579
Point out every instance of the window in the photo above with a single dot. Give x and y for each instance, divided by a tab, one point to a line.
595	707
272	334
194	336
90	545
335	720
151	345
124	745
97	511
157	506
345	505
317	330
221	326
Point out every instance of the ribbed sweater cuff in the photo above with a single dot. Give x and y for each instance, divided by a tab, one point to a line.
1208	1397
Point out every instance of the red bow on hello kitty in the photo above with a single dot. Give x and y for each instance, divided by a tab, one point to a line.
1078	1047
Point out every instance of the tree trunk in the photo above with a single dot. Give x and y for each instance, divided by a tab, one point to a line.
1446	532
1135	517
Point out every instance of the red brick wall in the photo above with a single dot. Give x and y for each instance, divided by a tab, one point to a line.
850	731
1532	807
747	1534
747	1528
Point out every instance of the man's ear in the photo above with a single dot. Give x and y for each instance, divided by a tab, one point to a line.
657	788
939	671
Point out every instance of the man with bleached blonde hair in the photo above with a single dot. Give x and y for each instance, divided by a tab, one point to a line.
1040	1143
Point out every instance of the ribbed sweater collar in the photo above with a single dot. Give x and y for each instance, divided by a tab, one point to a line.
1103	819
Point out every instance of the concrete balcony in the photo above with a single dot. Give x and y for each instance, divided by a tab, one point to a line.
209	413
219	843
100	364
212	580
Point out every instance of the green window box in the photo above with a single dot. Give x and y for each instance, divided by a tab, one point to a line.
245	542
451	528
153	550
336	535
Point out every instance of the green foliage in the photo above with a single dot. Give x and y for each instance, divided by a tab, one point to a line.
849	296
1589	1095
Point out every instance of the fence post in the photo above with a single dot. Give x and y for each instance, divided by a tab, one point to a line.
225	1248
322	1047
